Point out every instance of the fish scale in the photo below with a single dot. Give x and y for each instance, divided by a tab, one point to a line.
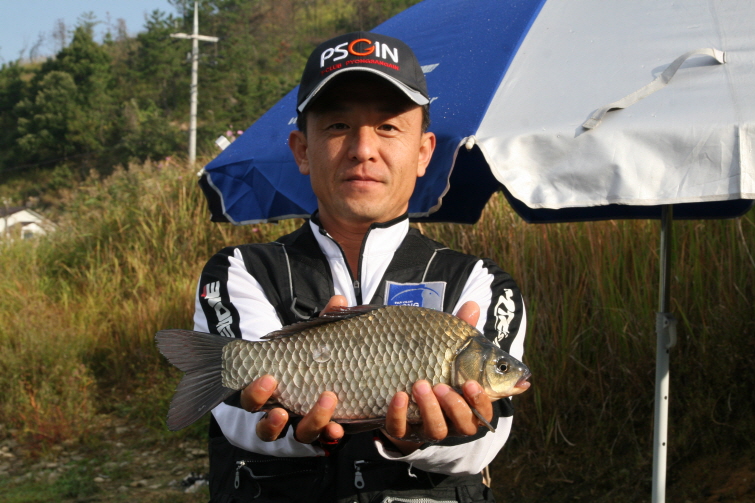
364	360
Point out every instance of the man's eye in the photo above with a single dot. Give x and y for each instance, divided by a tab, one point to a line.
388	127
338	126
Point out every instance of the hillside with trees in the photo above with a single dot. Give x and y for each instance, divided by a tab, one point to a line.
93	106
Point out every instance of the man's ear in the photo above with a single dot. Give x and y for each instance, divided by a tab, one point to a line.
297	142
426	149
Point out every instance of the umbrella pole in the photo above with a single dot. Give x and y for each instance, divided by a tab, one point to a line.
665	327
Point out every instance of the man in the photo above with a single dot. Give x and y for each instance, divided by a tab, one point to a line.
363	113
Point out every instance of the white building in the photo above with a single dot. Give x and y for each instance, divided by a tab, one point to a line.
22	222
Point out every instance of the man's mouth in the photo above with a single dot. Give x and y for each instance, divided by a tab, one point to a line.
361	178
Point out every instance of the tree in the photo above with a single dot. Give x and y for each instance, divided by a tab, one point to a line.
155	70
146	133
44	122
69	110
12	90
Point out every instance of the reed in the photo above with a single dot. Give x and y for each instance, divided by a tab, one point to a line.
83	304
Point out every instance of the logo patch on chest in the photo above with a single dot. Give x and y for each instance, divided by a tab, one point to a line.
429	294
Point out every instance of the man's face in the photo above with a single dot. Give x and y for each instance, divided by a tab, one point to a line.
363	150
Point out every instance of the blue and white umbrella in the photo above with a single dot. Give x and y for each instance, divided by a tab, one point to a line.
518	79
576	109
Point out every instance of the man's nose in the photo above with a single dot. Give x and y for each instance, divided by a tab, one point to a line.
363	146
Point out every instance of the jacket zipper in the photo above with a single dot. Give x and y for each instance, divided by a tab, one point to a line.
355	283
358	479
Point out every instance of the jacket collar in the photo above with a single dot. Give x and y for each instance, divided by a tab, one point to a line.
381	238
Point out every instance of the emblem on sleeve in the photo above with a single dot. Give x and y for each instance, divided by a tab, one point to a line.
211	294
504	314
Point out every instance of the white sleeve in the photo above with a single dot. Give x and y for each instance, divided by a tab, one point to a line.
485	283
256	317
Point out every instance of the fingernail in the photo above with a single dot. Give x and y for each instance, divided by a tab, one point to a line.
267	383
400	400
441	390
473	388
422	388
326	401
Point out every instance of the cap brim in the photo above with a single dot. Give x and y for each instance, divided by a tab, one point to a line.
414	95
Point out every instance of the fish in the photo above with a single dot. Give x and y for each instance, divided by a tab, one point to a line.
364	354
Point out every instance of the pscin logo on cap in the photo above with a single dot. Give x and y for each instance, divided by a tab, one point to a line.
360	47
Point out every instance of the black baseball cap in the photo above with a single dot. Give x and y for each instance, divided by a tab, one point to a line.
363	51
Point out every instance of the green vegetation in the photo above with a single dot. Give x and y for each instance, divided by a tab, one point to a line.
95	106
119	463
88	300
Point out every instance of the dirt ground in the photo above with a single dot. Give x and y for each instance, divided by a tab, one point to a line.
121	463
567	476
118	463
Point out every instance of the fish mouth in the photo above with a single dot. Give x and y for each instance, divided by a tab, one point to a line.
522	380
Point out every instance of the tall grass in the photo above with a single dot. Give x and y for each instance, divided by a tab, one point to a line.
81	307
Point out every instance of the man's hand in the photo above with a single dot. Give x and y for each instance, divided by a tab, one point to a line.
316	424
438	403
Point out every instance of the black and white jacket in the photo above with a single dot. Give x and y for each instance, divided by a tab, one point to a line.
234	299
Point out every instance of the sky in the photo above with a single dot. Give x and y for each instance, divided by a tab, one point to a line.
23	21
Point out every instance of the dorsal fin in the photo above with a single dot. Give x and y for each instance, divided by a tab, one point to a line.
338	314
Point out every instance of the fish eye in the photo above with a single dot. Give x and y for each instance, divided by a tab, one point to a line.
502	366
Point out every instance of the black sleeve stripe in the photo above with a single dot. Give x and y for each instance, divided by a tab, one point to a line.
506	308
222	317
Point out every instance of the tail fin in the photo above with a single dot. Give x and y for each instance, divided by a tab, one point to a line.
200	355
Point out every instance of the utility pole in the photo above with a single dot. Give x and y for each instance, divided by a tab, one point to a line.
195	38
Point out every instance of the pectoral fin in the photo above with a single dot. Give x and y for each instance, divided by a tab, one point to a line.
352	426
482	419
